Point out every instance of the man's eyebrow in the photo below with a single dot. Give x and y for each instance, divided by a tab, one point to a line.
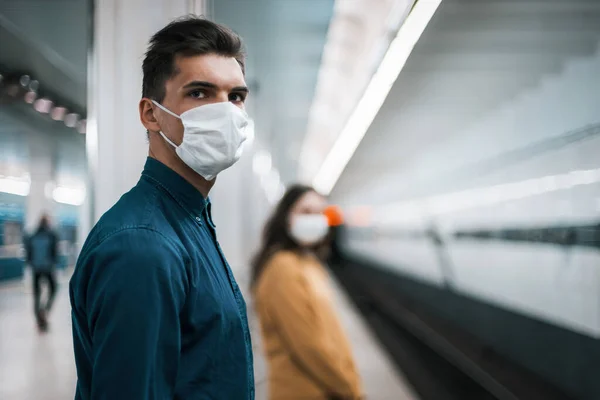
204	84
241	89
209	85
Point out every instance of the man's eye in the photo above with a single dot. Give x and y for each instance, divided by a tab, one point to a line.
237	98
197	94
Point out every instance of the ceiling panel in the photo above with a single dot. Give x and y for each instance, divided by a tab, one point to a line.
472	58
285	41
48	40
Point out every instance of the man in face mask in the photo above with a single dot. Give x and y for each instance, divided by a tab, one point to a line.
157	313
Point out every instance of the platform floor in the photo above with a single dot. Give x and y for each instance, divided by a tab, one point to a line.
36	366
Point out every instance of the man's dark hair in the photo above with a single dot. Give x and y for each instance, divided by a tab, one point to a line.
188	36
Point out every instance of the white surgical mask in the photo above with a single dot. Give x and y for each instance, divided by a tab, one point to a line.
213	136
309	229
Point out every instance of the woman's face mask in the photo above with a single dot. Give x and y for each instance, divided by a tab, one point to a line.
309	229
213	136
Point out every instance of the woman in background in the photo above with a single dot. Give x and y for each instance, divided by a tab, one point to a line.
307	351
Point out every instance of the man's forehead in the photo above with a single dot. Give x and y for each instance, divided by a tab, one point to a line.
219	70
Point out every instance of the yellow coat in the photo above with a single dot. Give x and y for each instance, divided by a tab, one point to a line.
308	354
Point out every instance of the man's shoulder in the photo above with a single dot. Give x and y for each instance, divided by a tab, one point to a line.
128	240
139	212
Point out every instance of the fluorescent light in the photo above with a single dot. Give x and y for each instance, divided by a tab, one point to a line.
261	163
484	196
16	186
58	113
43	106
66	195
24	80
30	97
272	186
71	120
271	183
269	177
34	86
367	108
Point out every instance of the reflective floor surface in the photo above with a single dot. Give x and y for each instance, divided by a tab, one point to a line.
36	366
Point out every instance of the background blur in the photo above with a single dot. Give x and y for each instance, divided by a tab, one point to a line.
460	138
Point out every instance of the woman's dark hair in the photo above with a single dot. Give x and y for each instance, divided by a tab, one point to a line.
276	236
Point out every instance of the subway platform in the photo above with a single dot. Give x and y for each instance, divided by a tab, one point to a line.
35	366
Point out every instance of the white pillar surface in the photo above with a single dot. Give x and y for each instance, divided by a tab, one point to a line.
116	140
236	205
41	170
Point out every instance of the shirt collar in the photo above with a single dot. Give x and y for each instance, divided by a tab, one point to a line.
181	190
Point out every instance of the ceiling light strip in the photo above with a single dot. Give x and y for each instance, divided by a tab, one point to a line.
16	186
374	96
469	199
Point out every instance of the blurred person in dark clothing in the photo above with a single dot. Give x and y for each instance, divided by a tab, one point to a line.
42	256
305	345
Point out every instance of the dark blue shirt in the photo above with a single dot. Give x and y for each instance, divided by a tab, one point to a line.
42	250
157	313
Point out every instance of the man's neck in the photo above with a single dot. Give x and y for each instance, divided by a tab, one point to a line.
172	161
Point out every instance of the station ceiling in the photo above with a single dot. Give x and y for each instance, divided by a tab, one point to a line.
473	57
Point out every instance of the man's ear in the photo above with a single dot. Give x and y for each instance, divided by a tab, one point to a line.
147	116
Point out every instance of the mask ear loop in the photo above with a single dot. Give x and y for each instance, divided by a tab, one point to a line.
157	104
167	139
168	112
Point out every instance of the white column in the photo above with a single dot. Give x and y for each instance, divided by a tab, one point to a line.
41	170
239	209
228	197
231	208
116	140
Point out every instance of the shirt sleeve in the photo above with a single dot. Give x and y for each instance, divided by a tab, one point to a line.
293	306
134	295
